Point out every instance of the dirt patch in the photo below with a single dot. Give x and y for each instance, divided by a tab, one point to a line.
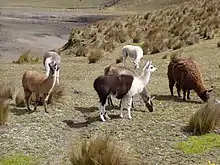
38	29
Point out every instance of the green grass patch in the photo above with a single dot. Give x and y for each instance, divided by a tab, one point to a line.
198	144
27	57
18	159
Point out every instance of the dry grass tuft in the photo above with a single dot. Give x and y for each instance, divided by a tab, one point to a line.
118	60
19	99
218	44
27	57
95	56
57	95
4	109
101	150
7	91
206	119
176	54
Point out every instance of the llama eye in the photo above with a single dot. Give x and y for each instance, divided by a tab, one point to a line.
151	67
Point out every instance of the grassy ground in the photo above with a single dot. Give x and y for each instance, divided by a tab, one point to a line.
154	136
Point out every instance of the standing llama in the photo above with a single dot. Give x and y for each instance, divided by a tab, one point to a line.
34	82
122	87
49	56
117	69
187	76
134	52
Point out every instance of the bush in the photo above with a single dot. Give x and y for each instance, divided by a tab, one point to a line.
7	91
27	58
82	51
95	55
19	99
4	108
101	150
119	60
206	118
218	44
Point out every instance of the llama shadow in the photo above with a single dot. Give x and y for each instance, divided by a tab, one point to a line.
20	111
173	98
89	120
94	109
86	109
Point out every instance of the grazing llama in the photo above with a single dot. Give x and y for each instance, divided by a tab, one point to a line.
117	69
187	76
34	82
134	52
122	87
49	56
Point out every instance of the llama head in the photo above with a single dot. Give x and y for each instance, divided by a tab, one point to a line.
149	67
205	95
53	67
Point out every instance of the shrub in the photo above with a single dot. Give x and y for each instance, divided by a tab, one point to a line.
4	108
26	57
218	44
137	38
57	95
7	91
118	60
82	51
120	36
101	150
95	55
108	46
206	118
19	99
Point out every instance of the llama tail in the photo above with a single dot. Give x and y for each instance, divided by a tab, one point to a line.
206	118
106	70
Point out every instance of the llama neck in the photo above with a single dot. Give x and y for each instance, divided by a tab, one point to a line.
49	82
145	77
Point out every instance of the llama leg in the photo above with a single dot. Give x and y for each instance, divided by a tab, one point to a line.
124	56
184	94
46	101
57	77
122	103
101	112
178	89
105	113
171	84
102	107
110	101
27	98
36	99
188	93
129	107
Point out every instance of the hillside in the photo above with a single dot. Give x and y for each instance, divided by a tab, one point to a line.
158	137
172	27
112	4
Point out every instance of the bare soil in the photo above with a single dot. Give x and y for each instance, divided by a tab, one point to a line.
39	29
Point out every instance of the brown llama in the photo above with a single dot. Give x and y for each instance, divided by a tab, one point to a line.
185	73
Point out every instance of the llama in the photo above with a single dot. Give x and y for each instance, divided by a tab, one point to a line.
122	87
187	76
49	56
134	52
34	82
116	69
